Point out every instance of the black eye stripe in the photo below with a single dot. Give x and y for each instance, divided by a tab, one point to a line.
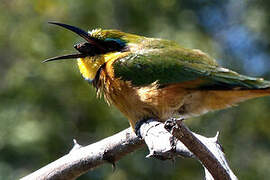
109	45
87	48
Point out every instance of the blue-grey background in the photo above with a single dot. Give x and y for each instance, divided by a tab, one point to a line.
44	106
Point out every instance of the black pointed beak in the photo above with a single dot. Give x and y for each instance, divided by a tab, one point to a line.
68	56
94	42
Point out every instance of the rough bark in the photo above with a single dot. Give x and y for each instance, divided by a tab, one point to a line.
175	140
82	159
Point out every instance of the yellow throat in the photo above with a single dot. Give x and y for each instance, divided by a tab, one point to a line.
89	65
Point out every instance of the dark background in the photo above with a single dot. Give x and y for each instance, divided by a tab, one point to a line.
44	106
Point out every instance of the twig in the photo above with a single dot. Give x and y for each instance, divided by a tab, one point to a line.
208	152
82	159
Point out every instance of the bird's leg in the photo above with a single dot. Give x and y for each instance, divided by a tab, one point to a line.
138	126
168	125
171	122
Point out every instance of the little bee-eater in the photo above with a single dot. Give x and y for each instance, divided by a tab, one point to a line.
156	78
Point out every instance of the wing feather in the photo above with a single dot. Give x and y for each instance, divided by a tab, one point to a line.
176	65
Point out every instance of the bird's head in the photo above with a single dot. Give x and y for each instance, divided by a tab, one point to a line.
100	47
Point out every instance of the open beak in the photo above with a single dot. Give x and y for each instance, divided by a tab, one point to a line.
81	33
68	56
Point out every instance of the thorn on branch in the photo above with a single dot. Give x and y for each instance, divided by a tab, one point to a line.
207	153
108	156
76	146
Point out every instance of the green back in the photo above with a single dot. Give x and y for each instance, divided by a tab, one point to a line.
176	65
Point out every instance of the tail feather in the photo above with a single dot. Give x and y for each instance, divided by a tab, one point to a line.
200	102
222	99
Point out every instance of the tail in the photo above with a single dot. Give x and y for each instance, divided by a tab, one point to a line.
257	93
220	99
239	89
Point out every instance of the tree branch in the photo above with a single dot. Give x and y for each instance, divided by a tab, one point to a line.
82	159
175	139
208	152
161	144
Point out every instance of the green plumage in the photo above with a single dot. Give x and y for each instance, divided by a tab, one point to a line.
166	62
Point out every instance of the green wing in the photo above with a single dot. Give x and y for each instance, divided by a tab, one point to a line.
176	65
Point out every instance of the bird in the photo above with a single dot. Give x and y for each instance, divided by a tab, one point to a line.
149	78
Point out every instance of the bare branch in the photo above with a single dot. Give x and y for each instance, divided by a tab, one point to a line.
161	144
82	159
209	152
182	142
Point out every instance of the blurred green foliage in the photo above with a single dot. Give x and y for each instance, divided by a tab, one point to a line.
44	106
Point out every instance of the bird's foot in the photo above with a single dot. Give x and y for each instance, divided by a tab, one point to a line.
171	122
138	126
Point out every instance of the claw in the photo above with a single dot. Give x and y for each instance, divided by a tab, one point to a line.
138	126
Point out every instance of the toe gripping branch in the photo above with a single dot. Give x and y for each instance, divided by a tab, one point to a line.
168	125
138	126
